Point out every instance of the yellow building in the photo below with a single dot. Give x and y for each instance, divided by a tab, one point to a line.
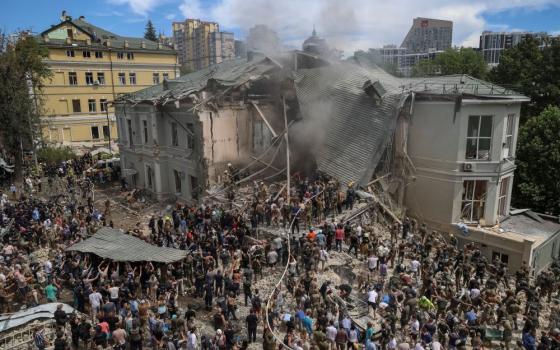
91	67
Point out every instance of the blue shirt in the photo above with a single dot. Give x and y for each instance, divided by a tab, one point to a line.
308	324
529	342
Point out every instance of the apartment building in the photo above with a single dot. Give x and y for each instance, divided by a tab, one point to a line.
91	67
427	34
201	44
493	44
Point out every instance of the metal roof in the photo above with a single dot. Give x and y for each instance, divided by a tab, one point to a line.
44	311
114	245
357	127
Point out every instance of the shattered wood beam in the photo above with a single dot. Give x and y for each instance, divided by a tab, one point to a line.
385	208
378	179
263	118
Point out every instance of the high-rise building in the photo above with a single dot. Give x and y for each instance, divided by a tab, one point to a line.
91	67
428	34
398	58
263	39
201	43
240	48
492	44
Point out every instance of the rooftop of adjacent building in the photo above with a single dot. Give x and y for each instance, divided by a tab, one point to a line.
524	225
99	38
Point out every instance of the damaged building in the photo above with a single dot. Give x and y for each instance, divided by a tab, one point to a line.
438	149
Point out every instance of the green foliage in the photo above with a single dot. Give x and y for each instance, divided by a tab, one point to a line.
22	72
453	61
150	32
537	184
53	155
533	72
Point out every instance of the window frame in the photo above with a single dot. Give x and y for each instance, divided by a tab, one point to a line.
468	201
70	53
165	76
92	134
503	196
122	78
86	54
155	78
509	131
478	138
98	54
145	130
103	105
92	105
130	55
120	55
72	78
89	78
174	135
79	104
107	134
178	181
101	78
132	78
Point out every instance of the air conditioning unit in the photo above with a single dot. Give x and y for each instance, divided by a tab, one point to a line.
468	167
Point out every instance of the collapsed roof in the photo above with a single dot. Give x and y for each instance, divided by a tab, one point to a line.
114	245
354	104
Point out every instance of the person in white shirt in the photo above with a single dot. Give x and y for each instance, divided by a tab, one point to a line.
436	345
95	300
372	300
324	257
331	334
192	343
372	263
415	268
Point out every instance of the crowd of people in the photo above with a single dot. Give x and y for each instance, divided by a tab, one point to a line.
421	290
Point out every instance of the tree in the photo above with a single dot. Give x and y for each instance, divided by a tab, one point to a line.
453	61
537	185
532	71
22	73
150	32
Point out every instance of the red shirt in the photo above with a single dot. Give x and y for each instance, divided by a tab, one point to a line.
339	233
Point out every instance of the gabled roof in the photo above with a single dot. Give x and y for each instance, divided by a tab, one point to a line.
100	36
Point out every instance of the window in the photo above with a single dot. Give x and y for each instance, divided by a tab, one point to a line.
165	76
106	132
145	127
76	107
95	133
497	256
174	136
503	197
474	200
122	78
103	105
91	105
98	54
508	144
87	54
132	78
120	55
177	177
101	78
89	78
479	137
190	136
194	187
72	78
149	171
70	53
129	126
155	78
69	33
130	55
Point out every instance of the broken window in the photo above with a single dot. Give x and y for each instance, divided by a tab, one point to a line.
503	197
508	142
474	200
479	137
497	256
177	176
190	136
174	136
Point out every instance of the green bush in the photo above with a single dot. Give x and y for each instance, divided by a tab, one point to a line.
55	154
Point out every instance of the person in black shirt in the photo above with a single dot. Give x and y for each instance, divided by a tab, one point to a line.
60	342
252	322
60	316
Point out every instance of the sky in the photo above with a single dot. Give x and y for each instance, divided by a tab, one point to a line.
348	25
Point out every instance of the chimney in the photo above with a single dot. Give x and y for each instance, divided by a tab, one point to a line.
82	18
126	43
143	44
